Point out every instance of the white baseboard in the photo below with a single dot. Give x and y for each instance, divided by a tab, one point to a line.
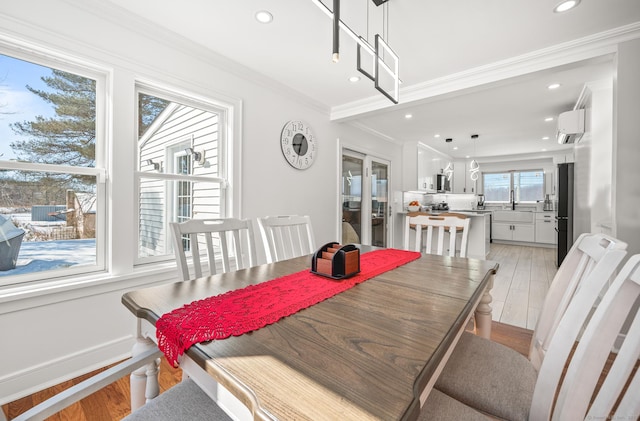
25	382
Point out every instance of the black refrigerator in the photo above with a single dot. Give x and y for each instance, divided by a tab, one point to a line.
564	218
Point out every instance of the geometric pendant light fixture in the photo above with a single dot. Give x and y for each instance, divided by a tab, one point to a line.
378	62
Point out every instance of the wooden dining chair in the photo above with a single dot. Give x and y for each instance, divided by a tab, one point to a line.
480	373
441	225
567	386
285	237
229	245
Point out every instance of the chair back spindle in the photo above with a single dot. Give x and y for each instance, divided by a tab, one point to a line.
285	237
448	223
229	241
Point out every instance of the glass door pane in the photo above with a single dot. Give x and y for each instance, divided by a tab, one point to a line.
352	170
379	203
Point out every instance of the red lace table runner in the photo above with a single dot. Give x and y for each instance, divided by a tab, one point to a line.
255	306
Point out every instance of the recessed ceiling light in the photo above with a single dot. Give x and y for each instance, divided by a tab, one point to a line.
354	78
548	119
553	86
408	116
455	148
545	138
467	156
565	5
544	150
436	135
263	16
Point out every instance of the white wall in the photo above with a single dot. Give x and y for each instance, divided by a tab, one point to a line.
594	161
626	149
54	334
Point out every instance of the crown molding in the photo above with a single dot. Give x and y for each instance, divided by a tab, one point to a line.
119	16
369	130
591	46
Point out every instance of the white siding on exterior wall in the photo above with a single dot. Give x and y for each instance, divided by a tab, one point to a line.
177	128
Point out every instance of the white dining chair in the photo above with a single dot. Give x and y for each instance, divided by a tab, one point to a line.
229	245
440	225
183	401
287	236
478	365
565	388
581	259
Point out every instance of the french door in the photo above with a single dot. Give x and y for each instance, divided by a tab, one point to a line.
364	199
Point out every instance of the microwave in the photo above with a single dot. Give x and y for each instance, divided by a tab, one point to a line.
442	183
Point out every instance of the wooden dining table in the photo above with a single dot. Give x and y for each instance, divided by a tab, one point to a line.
372	352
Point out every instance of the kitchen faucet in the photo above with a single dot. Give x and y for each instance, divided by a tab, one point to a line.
512	199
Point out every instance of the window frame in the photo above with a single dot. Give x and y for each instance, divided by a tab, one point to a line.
511	174
60	61
224	112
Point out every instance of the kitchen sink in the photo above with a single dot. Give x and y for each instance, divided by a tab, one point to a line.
513	216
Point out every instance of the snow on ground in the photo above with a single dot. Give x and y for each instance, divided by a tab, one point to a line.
37	256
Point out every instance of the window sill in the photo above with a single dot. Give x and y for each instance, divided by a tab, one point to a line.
33	294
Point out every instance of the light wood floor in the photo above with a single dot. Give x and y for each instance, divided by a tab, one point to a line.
521	283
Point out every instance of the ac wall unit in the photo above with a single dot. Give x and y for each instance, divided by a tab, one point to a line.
570	126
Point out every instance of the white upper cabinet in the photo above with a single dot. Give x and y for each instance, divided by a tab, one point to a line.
420	166
462	182
427	169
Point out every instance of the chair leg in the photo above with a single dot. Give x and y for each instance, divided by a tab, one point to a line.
483	314
144	381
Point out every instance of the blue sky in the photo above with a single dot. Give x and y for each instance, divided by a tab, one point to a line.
16	102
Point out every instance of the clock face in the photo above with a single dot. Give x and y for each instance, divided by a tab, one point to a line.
298	144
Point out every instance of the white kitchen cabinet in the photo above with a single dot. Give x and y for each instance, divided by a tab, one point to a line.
459	170
545	228
500	231
523	233
550	182
513	232
426	170
513	226
462	182
430	162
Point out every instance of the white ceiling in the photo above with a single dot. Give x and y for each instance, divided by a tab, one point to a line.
443	46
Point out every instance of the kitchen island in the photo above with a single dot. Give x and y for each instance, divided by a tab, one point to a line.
479	244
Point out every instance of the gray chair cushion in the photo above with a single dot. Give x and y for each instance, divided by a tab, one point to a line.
184	401
442	407
489	377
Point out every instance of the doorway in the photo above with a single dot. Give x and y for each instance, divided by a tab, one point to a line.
365	199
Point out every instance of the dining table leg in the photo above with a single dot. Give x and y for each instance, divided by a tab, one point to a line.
144	380
483	313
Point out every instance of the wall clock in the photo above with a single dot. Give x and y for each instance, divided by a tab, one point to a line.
298	144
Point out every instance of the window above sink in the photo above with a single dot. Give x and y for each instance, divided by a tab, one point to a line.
527	186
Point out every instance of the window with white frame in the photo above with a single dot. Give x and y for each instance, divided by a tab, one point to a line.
52	171
527	186
182	171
